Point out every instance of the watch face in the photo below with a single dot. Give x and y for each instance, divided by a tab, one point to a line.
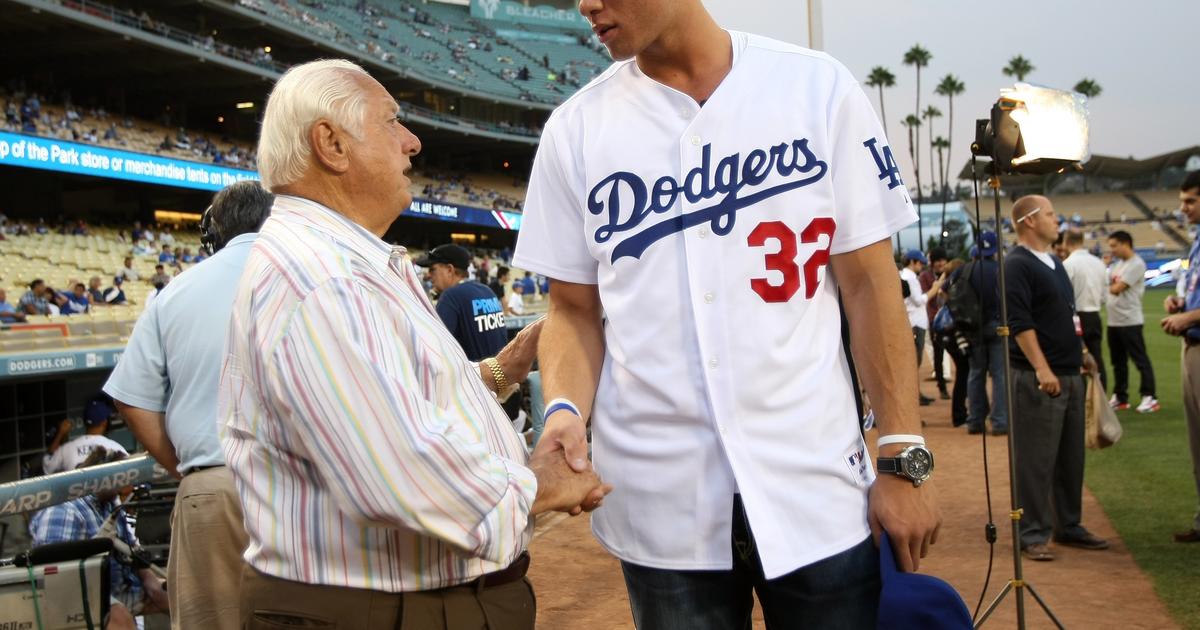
918	462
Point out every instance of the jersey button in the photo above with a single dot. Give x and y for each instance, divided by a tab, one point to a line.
713	363
696	141
709	297
703	232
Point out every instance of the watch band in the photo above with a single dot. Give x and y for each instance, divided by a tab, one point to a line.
890	465
497	374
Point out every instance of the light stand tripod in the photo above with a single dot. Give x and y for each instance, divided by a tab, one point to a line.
1017	584
1032	130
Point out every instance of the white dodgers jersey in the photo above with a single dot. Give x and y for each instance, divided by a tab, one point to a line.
709	230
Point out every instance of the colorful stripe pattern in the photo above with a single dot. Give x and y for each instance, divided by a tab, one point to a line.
367	450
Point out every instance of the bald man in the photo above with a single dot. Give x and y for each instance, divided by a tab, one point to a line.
1048	391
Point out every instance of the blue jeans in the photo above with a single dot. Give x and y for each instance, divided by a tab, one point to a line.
838	593
987	357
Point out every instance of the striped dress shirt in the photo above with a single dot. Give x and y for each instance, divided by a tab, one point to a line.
366	448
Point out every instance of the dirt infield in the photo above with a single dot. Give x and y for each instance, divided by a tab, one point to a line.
579	585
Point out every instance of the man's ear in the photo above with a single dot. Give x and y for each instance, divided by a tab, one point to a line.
329	146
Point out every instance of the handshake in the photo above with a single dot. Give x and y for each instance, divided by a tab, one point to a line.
566	481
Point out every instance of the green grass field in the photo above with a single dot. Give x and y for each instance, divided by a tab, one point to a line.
1145	483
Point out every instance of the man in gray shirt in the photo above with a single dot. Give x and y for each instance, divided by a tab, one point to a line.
1089	279
1127	283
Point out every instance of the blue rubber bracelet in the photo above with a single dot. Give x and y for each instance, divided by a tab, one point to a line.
560	406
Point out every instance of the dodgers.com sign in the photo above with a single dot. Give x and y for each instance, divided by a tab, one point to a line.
85	159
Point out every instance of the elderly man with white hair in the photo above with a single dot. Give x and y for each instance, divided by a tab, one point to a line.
382	483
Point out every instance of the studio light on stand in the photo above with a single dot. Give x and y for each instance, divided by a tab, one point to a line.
1032	130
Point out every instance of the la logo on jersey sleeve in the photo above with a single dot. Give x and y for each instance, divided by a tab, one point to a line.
886	163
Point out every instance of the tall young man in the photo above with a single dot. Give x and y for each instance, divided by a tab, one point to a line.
706	197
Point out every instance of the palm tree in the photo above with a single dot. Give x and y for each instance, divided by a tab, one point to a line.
1018	67
941	144
881	77
949	87
919	58
1088	88
914	127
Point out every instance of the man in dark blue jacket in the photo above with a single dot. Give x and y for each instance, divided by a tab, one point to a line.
1047	354
987	351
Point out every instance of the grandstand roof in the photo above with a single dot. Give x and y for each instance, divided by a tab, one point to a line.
1111	166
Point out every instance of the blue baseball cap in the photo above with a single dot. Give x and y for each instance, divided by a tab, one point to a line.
96	411
916	601
915	254
988	243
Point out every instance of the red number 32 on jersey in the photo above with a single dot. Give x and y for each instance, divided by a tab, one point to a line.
784	261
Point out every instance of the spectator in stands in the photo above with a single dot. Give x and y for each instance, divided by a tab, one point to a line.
95	293
167	256
1183	320
178	256
937	265
160	276
165	237
1127	284
166	388
8	313
497	285
439	494
1047	388
132	591
114	295
77	302
41	227
1089	279
34	301
528	284
127	271
97	414
515	305
987	351
137	233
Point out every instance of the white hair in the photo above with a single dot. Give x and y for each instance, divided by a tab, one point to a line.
328	88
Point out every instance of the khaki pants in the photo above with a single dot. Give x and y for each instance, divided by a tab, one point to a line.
204	571
271	603
1191	406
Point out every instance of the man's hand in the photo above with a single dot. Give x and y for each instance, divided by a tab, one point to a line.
1089	364
154	589
565	433
1048	382
1178	323
64	427
1173	304
909	515
561	489
517	357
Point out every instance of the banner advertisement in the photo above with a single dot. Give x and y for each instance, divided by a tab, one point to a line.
85	159
555	13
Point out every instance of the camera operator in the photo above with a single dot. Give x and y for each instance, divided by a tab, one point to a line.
166	387
132	591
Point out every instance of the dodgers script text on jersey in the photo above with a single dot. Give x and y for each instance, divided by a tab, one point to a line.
709	232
